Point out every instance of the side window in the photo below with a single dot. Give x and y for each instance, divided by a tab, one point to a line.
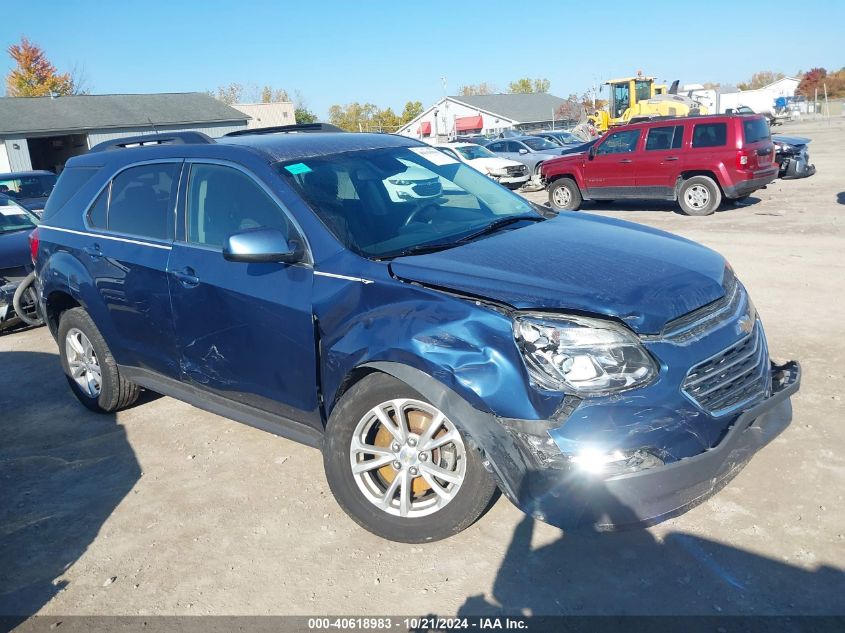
224	200
659	138
497	147
710	135
678	140
514	147
97	212
620	142
142	200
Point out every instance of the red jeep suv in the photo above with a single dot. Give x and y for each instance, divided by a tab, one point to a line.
697	161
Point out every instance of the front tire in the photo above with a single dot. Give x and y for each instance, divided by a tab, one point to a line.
89	366
699	196
399	467
564	195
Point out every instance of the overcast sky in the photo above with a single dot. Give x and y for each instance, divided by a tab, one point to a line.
391	52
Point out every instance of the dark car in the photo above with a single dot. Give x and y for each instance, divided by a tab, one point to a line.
793	156
696	161
16	224
598	372
29	188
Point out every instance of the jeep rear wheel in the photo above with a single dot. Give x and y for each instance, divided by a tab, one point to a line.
399	467
699	195
564	195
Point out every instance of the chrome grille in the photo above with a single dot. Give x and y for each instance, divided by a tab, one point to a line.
516	170
733	378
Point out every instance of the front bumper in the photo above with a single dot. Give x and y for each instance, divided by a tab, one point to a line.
571	498
799	166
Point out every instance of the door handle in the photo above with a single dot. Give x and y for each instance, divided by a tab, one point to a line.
93	251
187	277
670	158
626	160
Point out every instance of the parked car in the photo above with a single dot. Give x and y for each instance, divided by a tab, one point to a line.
584	147
531	151
478	139
16	223
509	173
598	372
792	156
564	139
697	161
414	183
30	189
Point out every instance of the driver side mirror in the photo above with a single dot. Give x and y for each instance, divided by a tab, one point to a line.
523	151
262	245
593	151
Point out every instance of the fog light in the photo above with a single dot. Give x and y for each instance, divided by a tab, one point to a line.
593	461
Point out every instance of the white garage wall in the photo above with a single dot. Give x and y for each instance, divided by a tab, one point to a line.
214	131
17	157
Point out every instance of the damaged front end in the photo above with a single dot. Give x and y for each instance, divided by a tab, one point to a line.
793	157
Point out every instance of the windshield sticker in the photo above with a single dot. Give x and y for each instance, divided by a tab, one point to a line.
298	168
10	210
433	155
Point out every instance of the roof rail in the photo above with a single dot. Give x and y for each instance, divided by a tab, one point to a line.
287	129
144	140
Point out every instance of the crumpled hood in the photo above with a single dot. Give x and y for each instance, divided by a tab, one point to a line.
790	140
14	249
580	263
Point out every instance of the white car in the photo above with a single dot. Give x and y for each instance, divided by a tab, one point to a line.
414	183
506	172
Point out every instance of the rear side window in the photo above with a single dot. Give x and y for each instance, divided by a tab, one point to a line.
71	180
98	212
710	135
497	147
143	199
756	130
662	138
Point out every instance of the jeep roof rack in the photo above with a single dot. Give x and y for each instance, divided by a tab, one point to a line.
288	129
144	140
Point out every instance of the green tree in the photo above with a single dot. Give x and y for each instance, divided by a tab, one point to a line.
304	115
33	75
355	117
412	110
527	85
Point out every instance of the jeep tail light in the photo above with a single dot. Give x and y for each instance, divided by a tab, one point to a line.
33	245
742	159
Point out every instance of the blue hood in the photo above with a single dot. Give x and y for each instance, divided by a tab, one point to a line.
580	263
14	249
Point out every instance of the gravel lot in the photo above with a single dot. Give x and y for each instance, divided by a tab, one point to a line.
165	509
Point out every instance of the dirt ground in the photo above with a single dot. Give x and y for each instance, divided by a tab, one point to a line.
166	509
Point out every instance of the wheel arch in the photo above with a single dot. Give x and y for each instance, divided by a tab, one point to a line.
690	173
55	304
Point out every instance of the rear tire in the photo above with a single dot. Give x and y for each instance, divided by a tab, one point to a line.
373	497
89	366
564	195
699	196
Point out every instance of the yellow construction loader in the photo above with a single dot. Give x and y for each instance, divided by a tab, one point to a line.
638	98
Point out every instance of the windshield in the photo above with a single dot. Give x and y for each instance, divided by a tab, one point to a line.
386	202
471	152
566	137
23	187
13	217
537	143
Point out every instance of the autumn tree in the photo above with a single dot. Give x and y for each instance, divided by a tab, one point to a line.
368	117
34	75
812	80
274	95
483	88
760	79
528	85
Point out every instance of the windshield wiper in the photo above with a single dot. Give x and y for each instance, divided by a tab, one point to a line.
500	224
421	249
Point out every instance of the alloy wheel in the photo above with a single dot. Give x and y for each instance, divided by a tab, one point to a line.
562	196
697	196
407	458
82	362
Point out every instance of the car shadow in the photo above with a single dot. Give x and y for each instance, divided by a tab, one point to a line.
662	205
635	573
63	471
840	197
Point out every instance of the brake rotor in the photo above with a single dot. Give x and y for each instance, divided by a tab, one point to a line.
418	422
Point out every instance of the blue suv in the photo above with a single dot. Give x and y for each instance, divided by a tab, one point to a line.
434	335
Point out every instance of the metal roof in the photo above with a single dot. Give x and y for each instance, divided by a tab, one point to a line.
38	115
523	108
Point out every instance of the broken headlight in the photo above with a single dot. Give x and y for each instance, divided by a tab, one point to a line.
582	355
